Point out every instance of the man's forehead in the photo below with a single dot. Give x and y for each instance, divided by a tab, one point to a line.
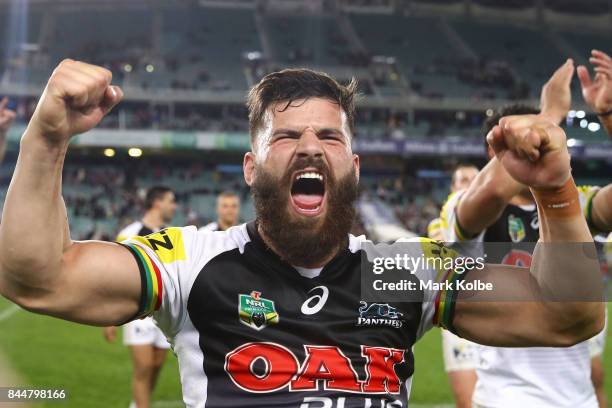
310	112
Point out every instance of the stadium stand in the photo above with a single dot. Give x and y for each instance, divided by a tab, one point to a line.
193	48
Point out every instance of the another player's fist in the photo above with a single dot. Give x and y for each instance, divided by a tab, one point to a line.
75	100
533	149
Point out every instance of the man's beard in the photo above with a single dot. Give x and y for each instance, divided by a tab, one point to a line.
300	240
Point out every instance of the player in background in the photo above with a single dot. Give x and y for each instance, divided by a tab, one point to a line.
496	208
462	176
148	345
204	289
459	354
7	116
228	212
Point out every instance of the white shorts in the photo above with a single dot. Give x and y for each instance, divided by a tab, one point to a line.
144	332
459	354
598	342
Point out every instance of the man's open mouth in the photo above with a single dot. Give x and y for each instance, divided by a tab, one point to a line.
308	192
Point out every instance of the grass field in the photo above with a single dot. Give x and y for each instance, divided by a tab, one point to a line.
50	353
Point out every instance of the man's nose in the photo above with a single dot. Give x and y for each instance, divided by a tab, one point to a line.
309	144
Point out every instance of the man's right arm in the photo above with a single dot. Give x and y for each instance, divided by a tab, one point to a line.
489	193
41	268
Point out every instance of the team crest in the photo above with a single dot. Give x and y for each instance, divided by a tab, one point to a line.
379	314
255	311
516	228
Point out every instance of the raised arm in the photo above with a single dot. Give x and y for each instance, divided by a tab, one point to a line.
597	92
41	268
484	201
518	311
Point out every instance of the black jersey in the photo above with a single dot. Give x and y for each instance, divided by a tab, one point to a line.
518	226
137	228
250	331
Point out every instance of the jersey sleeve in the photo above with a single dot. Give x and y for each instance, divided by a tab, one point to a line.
441	269
448	220
434	229
585	196
166	260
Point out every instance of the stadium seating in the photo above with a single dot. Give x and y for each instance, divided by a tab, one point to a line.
206	47
531	54
429	63
313	40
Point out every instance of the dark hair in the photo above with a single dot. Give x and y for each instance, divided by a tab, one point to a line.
290	85
155	193
508	110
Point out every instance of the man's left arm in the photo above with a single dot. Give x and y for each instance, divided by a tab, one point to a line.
554	302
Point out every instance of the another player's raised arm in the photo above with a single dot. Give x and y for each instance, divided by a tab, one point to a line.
533	150
485	199
41	268
597	92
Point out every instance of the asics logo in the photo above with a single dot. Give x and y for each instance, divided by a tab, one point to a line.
315	303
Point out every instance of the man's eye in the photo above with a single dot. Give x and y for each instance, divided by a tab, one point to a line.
331	136
280	136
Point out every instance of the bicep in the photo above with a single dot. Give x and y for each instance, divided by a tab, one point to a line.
100	284
508	315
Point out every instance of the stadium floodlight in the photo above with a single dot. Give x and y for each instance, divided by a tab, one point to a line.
584	123
109	152
135	152
254	55
594	126
580	114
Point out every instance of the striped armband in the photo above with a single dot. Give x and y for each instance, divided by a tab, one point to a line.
444	304
150	281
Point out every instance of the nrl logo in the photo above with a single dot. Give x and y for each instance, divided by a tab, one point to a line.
516	228
255	311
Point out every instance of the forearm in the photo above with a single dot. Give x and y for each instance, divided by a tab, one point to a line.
485	199
566	267
34	232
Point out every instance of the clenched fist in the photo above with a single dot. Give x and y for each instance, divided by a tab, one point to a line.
533	150
75	100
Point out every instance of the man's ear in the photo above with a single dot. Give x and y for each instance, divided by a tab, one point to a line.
248	167
356	165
